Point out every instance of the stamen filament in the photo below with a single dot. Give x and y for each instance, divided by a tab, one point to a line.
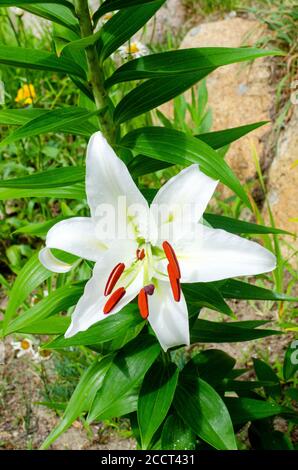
172	259
175	283
114	300
113	278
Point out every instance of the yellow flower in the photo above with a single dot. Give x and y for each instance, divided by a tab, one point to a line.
26	94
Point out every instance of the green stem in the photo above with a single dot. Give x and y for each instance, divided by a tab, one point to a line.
96	75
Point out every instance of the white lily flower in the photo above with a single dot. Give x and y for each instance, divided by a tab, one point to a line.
140	260
133	50
23	347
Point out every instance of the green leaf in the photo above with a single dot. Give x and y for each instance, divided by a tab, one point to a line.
39	229
57	301
21	3
50	122
204	294
54	325
19	117
265	372
155	398
112	5
234	289
74	191
243	410
38	60
59	14
205	331
31	276
153	93
123	25
178	148
111	328
290	365
141	164
213	365
262	436
239	226
183	61
82	397
126	372
203	410
50	178
176	435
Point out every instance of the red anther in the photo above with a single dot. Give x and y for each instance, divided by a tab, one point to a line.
172	259
175	283
114	299
113	278
140	253
143	303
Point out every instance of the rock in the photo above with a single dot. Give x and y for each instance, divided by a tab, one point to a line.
239	93
283	179
169	18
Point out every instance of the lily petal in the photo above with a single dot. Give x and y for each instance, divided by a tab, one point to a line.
52	263
168	319
182	202
76	236
218	254
89	309
108	183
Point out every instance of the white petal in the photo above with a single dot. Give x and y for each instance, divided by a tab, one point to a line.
169	319
110	186
89	309
218	254
181	202
76	236
52	263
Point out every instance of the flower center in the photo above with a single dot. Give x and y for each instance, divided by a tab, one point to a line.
133	48
25	344
146	255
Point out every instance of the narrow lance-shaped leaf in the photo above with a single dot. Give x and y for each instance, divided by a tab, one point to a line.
234	289
20	117
153	93
123	25
57	13
205	331
141	164
178	148
205	413
167	64
39	60
21	3
112	5
82	397
31	275
49	122
127	371
155	398
243	410
176	435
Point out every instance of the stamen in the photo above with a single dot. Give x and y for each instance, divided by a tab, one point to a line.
114	299
149	289
113	278
175	283
140	253
143	303
172	259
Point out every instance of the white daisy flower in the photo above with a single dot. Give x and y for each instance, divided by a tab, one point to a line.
23	347
41	355
133	50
